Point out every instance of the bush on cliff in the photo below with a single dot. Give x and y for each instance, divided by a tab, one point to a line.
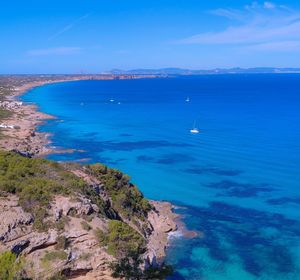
10	266
128	246
4	114
121	239
36	181
129	268
126	198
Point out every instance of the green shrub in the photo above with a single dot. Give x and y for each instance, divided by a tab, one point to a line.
158	273
4	113
85	226
61	223
54	255
39	223
129	267
121	239
101	237
61	243
10	266
128	246
126	198
36	181
88	218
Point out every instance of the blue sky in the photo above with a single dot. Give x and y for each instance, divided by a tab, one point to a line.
70	36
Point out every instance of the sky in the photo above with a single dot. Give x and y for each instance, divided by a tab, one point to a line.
92	36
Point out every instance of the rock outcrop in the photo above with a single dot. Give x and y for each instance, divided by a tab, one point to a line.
162	221
73	248
80	257
15	222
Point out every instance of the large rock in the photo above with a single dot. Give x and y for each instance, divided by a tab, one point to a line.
65	205
38	240
161	221
15	222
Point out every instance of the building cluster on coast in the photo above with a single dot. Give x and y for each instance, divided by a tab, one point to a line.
10	105
2	125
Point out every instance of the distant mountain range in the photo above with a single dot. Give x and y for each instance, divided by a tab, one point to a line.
179	71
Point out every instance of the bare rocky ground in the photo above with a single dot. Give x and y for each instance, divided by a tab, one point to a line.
70	244
83	258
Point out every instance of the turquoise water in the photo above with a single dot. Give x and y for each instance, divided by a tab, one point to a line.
237	181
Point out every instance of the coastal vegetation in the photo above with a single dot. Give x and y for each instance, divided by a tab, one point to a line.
4	114
35	182
53	256
126	198
129	268
128	246
86	226
38	183
121	239
10	266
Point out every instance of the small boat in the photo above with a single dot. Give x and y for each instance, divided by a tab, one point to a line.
112	100
187	99
194	130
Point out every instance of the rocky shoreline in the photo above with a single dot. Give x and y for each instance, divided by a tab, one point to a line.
29	142
27	117
84	258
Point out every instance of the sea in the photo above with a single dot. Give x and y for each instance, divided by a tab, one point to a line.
236	183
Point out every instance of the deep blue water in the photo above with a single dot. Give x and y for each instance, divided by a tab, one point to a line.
237	181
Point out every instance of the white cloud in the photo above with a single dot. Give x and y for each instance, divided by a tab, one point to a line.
269	5
266	26
275	46
55	51
68	27
228	13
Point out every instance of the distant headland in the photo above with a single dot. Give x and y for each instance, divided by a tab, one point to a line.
180	71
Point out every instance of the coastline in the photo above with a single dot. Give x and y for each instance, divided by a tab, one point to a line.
27	117
27	139
29	142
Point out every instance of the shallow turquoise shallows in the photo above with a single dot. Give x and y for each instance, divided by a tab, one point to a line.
237	182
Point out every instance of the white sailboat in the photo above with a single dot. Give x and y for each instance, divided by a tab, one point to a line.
187	99
194	130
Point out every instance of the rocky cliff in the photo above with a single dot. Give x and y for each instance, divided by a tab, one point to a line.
79	221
